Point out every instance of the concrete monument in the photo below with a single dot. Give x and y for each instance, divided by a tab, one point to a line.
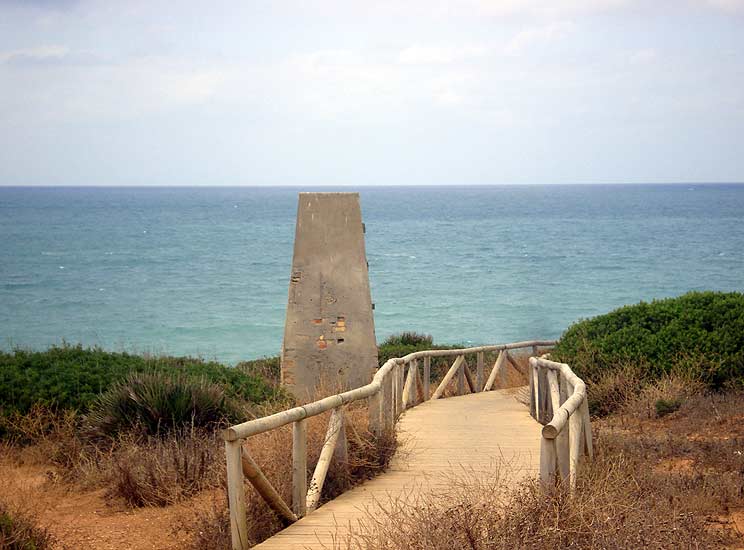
329	334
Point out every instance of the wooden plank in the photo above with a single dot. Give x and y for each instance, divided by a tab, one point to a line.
439	439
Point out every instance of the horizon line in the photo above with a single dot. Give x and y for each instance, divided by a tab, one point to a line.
371	185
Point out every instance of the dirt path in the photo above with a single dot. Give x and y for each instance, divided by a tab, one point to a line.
86	520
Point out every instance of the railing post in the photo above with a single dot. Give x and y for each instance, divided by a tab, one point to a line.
587	425
562	441
388	402
341	454
479	372
469	378
427	377
547	463
396	397
409	389
399	372
575	435
236	495
536	388
532	383
299	467
374	411
461	378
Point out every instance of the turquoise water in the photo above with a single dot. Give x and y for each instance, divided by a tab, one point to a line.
205	271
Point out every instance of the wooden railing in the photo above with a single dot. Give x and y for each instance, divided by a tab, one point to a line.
558	399
398	385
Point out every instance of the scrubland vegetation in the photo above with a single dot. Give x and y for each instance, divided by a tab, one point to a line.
697	335
146	430
671	482
19	531
665	390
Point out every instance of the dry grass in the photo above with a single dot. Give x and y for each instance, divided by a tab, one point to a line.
150	471
615	506
19	530
138	470
159	472
367	456
272	451
210	528
660	482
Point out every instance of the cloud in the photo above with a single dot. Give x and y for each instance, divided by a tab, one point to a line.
645	56
527	38
432	55
39	54
549	8
733	6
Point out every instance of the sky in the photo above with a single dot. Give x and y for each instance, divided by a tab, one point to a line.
277	92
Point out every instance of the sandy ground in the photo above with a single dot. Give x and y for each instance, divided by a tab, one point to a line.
82	521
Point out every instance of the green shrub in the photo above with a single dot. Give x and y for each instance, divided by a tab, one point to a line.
157	403
267	369
664	407
70	377
401	344
702	332
408	338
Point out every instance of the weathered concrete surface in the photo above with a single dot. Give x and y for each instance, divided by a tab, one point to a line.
329	334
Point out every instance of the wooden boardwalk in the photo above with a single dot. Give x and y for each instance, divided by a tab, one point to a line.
472	432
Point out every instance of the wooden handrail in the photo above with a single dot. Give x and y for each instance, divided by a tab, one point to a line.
560	448
389	394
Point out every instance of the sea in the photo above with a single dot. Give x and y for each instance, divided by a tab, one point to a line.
204	271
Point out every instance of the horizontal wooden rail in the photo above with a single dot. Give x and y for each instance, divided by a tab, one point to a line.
392	390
